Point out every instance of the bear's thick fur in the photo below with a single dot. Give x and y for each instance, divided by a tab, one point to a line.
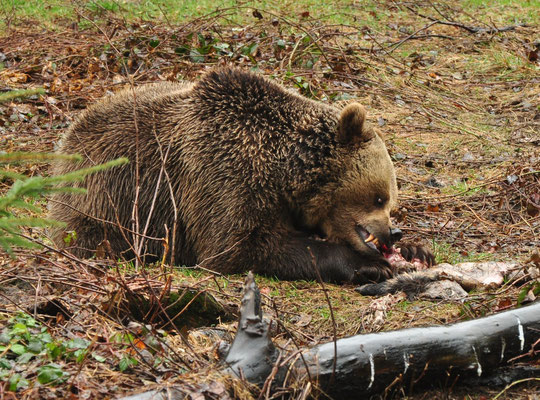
262	179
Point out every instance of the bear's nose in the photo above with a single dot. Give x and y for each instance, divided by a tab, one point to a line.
396	234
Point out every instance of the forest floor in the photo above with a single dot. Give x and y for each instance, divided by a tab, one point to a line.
454	87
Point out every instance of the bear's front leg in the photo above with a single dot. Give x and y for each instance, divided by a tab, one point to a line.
306	258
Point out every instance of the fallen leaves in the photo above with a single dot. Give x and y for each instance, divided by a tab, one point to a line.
433	208
12	78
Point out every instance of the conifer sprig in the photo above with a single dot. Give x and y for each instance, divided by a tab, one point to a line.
19	202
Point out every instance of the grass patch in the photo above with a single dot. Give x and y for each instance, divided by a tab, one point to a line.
507	11
189	272
447	253
500	62
46	12
465	189
51	14
366	12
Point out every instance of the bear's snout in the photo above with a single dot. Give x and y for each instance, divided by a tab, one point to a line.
395	235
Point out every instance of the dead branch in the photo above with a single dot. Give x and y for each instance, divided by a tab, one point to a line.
468	28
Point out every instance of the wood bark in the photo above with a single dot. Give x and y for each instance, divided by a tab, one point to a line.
252	354
432	356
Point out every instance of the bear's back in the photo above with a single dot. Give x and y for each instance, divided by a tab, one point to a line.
128	111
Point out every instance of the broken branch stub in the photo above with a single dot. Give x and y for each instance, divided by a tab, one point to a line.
252	353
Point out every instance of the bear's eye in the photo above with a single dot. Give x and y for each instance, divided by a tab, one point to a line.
379	201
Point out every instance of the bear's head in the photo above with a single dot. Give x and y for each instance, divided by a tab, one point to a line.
358	203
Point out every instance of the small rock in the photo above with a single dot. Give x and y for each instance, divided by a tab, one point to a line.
511	179
433	182
468	157
526	105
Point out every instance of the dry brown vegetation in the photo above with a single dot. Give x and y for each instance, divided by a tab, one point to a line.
455	89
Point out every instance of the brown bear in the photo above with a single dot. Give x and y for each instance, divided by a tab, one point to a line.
239	173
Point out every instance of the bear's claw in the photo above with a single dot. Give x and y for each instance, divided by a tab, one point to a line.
411	252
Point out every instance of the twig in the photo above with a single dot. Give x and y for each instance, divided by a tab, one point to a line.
63	253
513	384
470	29
300	27
171	194
104	221
291	336
334	325
398	44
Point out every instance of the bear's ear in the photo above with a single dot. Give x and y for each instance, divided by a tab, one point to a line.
351	127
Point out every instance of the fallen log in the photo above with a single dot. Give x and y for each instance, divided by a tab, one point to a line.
362	365
424	356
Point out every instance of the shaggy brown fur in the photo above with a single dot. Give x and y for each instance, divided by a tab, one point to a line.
254	169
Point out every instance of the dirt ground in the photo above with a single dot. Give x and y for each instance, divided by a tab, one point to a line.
455	90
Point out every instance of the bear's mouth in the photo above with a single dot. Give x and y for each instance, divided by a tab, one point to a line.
371	241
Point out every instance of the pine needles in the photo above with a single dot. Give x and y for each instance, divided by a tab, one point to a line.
18	206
